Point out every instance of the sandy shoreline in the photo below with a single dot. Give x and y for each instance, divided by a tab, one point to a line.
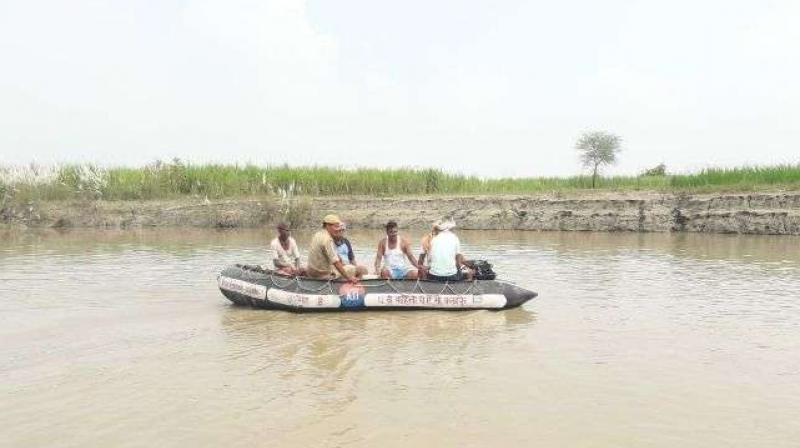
748	213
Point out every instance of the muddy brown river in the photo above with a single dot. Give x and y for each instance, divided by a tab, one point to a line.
121	338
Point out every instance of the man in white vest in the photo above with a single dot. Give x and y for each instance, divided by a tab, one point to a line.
394	258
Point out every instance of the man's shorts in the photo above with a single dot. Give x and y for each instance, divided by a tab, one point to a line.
399	272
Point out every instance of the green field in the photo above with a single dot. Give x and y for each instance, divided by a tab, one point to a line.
177	180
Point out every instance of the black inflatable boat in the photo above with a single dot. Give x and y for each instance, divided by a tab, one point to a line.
259	288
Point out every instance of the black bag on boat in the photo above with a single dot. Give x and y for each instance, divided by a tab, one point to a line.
482	268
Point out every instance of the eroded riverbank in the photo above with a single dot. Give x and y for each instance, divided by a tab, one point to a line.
761	213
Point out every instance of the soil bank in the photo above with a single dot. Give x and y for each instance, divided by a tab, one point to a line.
748	213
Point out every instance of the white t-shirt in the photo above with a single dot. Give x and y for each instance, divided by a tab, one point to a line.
282	256
444	248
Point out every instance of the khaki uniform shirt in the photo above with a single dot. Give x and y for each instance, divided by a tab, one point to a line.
321	255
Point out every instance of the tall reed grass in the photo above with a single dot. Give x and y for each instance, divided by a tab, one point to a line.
175	179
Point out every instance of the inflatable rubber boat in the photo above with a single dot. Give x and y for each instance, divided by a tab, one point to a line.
260	288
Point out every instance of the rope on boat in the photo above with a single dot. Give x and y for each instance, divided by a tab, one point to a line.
474	285
272	279
309	289
418	285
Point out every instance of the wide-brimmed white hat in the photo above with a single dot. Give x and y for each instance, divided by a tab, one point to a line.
445	224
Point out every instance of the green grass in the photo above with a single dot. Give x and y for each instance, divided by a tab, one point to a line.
179	180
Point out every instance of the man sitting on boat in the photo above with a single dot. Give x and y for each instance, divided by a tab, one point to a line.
447	262
345	250
425	245
286	256
394	250
323	261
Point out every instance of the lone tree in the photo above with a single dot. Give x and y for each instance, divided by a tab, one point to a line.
598	148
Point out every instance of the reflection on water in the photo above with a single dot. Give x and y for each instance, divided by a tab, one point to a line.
331	341
120	338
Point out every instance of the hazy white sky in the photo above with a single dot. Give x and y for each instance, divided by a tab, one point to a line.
491	88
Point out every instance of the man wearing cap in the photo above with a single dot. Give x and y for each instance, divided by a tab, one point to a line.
343	246
286	256
447	263
345	250
323	261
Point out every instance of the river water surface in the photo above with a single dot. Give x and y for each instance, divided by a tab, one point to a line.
121	338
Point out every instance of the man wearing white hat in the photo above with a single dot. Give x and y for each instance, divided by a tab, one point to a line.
447	263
